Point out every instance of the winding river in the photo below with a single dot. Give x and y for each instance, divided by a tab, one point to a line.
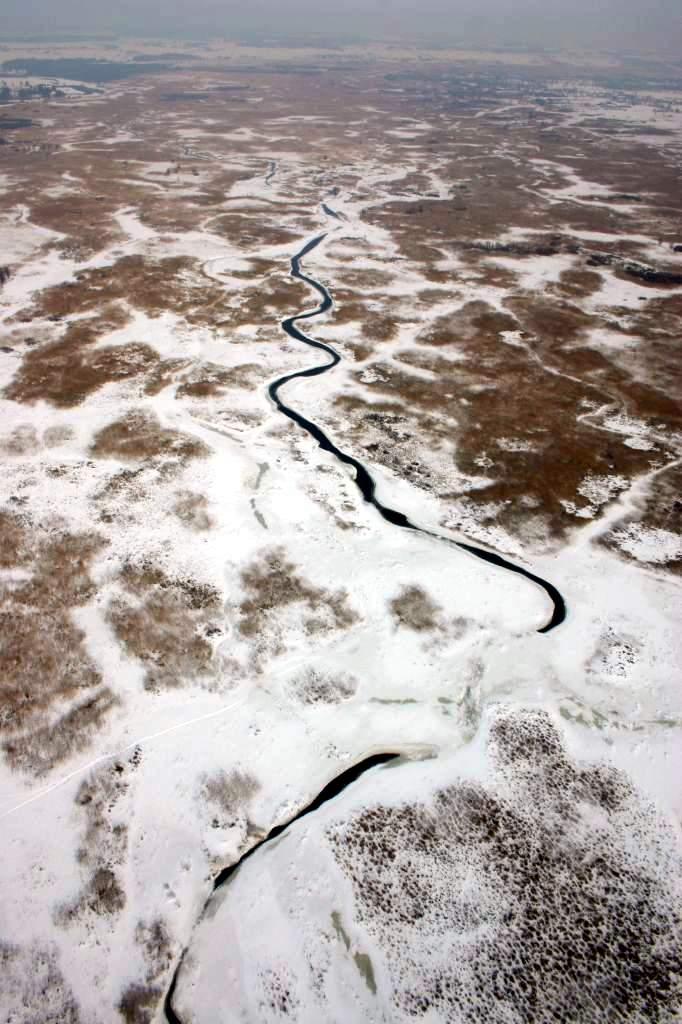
330	791
363	480
367	487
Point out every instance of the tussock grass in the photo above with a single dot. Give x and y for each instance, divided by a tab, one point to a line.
44	746
230	791
140	1000
21	441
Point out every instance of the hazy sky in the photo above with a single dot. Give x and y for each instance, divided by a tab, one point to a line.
615	24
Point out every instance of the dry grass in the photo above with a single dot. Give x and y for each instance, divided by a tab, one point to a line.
564	917
21	441
39	749
65	372
495	391
104	845
153	286
272	584
58	435
34	990
44	661
314	686
139	1003
209	379
141	999
254	232
415	610
164	623
191	509
140	435
230	792
660	510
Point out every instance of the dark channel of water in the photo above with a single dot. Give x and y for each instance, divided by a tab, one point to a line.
367	487
363	479
330	791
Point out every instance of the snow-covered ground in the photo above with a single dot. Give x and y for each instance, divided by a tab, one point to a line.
393	641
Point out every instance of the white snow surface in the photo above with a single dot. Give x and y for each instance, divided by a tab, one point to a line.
410	688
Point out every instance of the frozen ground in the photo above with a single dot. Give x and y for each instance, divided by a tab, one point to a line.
205	624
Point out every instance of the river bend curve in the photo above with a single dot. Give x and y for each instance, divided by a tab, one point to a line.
363	479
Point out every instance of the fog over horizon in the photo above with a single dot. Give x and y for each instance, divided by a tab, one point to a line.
555	24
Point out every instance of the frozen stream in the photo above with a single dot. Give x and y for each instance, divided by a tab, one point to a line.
367	487
363	479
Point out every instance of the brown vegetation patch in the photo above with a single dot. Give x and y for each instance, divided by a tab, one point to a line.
140	435
314	686
164	621
523	897
253	231
45	746
414	609
153	286
474	321
21	441
272	583
67	371
578	284
191	509
209	379
164	373
42	652
532	391
58	435
553	322
140	1000
263	304
661	509
64	372
104	844
229	792
34	990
